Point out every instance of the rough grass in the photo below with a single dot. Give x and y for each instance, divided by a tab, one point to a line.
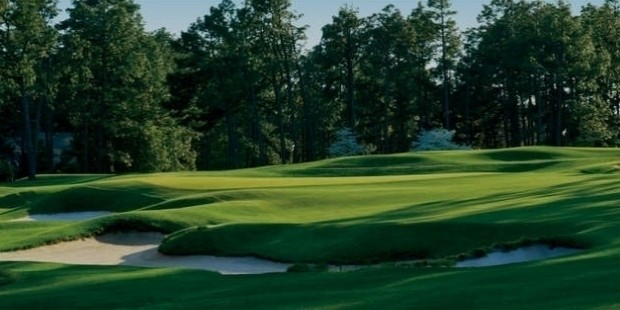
433	205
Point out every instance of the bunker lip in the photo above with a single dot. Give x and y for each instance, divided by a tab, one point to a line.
138	249
68	216
519	255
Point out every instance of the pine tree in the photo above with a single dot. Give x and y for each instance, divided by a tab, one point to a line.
26	41
117	74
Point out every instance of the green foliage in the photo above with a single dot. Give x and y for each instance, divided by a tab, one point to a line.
393	78
537	61
117	80
449	47
27	41
7	171
220	96
593	118
159	145
239	88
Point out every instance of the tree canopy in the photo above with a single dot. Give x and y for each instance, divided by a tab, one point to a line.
238	88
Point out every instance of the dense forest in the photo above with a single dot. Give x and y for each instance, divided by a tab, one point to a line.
238	89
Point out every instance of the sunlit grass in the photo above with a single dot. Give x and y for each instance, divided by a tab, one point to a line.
430	205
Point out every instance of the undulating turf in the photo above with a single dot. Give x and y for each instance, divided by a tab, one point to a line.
437	206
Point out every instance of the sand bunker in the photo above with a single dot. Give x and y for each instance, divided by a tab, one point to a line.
526	254
71	216
138	249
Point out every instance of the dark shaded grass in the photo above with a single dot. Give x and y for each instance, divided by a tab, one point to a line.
201	199
553	285
523	154
356	244
18	200
7	277
415	168
90	198
183	202
53	180
83	198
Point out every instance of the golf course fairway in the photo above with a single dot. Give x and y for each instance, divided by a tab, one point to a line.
431	209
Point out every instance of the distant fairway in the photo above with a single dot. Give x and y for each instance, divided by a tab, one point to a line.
434	207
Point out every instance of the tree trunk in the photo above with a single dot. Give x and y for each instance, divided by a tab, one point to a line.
540	130
28	144
444	70
288	51
35	134
49	138
257	132
309	135
385	110
86	159
280	119
514	114
350	81
232	139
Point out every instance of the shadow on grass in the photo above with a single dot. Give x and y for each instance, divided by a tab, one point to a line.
575	204
7	277
352	244
58	179
523	154
83	198
423	168
208	198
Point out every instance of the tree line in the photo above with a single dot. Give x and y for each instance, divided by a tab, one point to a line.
239	89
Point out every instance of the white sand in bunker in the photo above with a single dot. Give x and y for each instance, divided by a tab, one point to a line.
525	254
137	249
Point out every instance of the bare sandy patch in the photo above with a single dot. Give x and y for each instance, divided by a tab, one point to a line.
138	249
69	216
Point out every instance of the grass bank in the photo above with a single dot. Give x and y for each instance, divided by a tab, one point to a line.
435	205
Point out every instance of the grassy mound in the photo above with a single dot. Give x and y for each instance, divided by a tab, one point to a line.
525	159
352	244
432	205
89	198
350	210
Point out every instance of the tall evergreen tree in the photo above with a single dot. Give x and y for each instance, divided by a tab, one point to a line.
26	41
118	80
603	25
387	67
448	42
341	43
243	68
530	67
425	49
279	37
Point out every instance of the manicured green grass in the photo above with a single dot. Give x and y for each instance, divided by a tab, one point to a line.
358	243
437	206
